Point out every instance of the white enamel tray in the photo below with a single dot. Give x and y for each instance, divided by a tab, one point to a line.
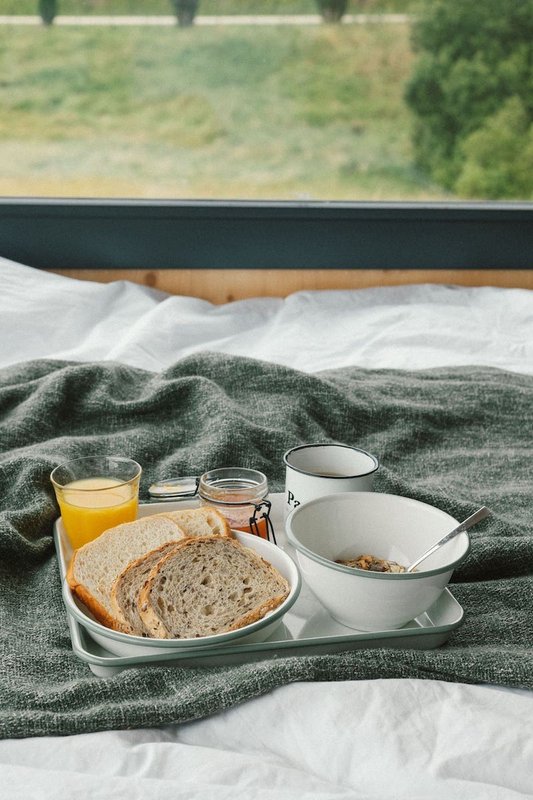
305	629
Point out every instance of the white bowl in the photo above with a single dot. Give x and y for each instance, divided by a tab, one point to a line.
123	644
396	528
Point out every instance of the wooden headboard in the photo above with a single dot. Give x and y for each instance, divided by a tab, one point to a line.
225	285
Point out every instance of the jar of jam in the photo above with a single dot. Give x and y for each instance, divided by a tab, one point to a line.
240	495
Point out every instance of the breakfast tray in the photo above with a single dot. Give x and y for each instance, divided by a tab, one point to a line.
306	629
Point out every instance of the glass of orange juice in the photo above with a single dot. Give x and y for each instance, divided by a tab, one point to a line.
96	493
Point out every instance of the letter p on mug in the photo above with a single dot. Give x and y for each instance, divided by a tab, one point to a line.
315	470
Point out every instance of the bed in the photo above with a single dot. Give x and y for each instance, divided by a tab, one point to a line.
452	724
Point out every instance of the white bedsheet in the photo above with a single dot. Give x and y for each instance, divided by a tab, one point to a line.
49	316
418	740
361	739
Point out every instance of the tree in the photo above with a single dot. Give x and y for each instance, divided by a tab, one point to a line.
332	10
185	11
472	58
47	11
498	157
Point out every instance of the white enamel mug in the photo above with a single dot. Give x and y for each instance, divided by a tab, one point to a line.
316	470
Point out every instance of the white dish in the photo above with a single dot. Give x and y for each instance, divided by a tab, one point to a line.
392	527
123	644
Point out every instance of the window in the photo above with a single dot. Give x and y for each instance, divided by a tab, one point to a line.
263	106
229	145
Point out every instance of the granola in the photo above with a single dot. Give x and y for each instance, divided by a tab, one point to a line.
371	563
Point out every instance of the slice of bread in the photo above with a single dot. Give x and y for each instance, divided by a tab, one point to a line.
125	589
94	567
203	521
208	585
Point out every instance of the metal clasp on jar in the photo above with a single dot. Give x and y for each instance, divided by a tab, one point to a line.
259	514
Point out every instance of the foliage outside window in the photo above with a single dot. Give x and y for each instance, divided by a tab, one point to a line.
472	95
48	11
185	11
332	10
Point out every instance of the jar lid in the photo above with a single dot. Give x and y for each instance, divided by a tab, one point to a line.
172	488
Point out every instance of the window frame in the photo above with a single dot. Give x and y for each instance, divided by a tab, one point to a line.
164	234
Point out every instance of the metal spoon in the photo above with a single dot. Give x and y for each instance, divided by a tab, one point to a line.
480	514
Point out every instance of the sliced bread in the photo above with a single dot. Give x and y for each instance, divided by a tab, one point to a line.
94	567
125	589
208	585
203	521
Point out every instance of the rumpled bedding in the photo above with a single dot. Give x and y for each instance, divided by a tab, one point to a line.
404	327
360	738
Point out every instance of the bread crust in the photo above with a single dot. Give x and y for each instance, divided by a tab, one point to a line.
97	609
259	612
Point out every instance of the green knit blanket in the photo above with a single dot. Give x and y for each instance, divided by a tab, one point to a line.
457	438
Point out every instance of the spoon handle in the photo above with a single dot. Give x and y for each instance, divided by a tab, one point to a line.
477	516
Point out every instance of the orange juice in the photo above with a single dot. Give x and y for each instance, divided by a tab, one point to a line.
91	505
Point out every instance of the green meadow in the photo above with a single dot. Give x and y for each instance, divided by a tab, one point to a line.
286	112
205	6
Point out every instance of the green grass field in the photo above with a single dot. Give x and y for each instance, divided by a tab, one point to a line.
204	7
251	113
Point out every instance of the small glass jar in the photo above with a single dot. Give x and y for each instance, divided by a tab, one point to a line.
240	495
